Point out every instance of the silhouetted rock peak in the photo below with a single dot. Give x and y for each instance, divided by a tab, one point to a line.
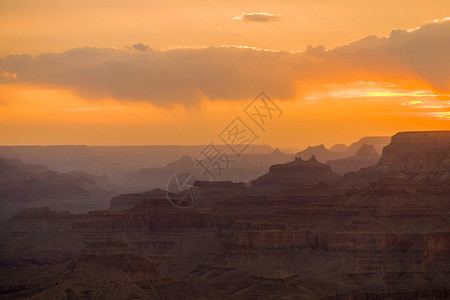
297	174
366	156
366	149
338	148
277	151
320	152
184	161
300	165
319	147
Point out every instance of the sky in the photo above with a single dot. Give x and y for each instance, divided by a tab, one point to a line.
110	72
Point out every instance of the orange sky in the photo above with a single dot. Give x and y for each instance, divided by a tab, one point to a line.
36	26
114	93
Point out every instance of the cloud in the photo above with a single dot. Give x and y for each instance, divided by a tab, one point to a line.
412	102
315	51
257	17
445	115
188	75
161	77
139	47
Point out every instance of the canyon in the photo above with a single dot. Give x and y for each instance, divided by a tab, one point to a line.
299	231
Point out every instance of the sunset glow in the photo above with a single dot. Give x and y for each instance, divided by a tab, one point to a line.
128	75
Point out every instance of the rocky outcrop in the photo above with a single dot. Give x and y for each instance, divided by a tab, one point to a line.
293	175
407	155
406	145
366	156
339	151
429	166
321	153
378	142
241	169
338	148
24	186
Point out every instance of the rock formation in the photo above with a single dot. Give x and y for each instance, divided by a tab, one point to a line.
320	152
406	154
385	239
24	186
364	157
339	151
242	169
294	175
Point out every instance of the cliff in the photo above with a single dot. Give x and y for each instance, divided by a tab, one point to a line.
407	155
388	238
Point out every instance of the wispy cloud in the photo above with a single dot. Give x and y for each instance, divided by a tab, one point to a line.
82	109
412	102
444	115
257	17
367	90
